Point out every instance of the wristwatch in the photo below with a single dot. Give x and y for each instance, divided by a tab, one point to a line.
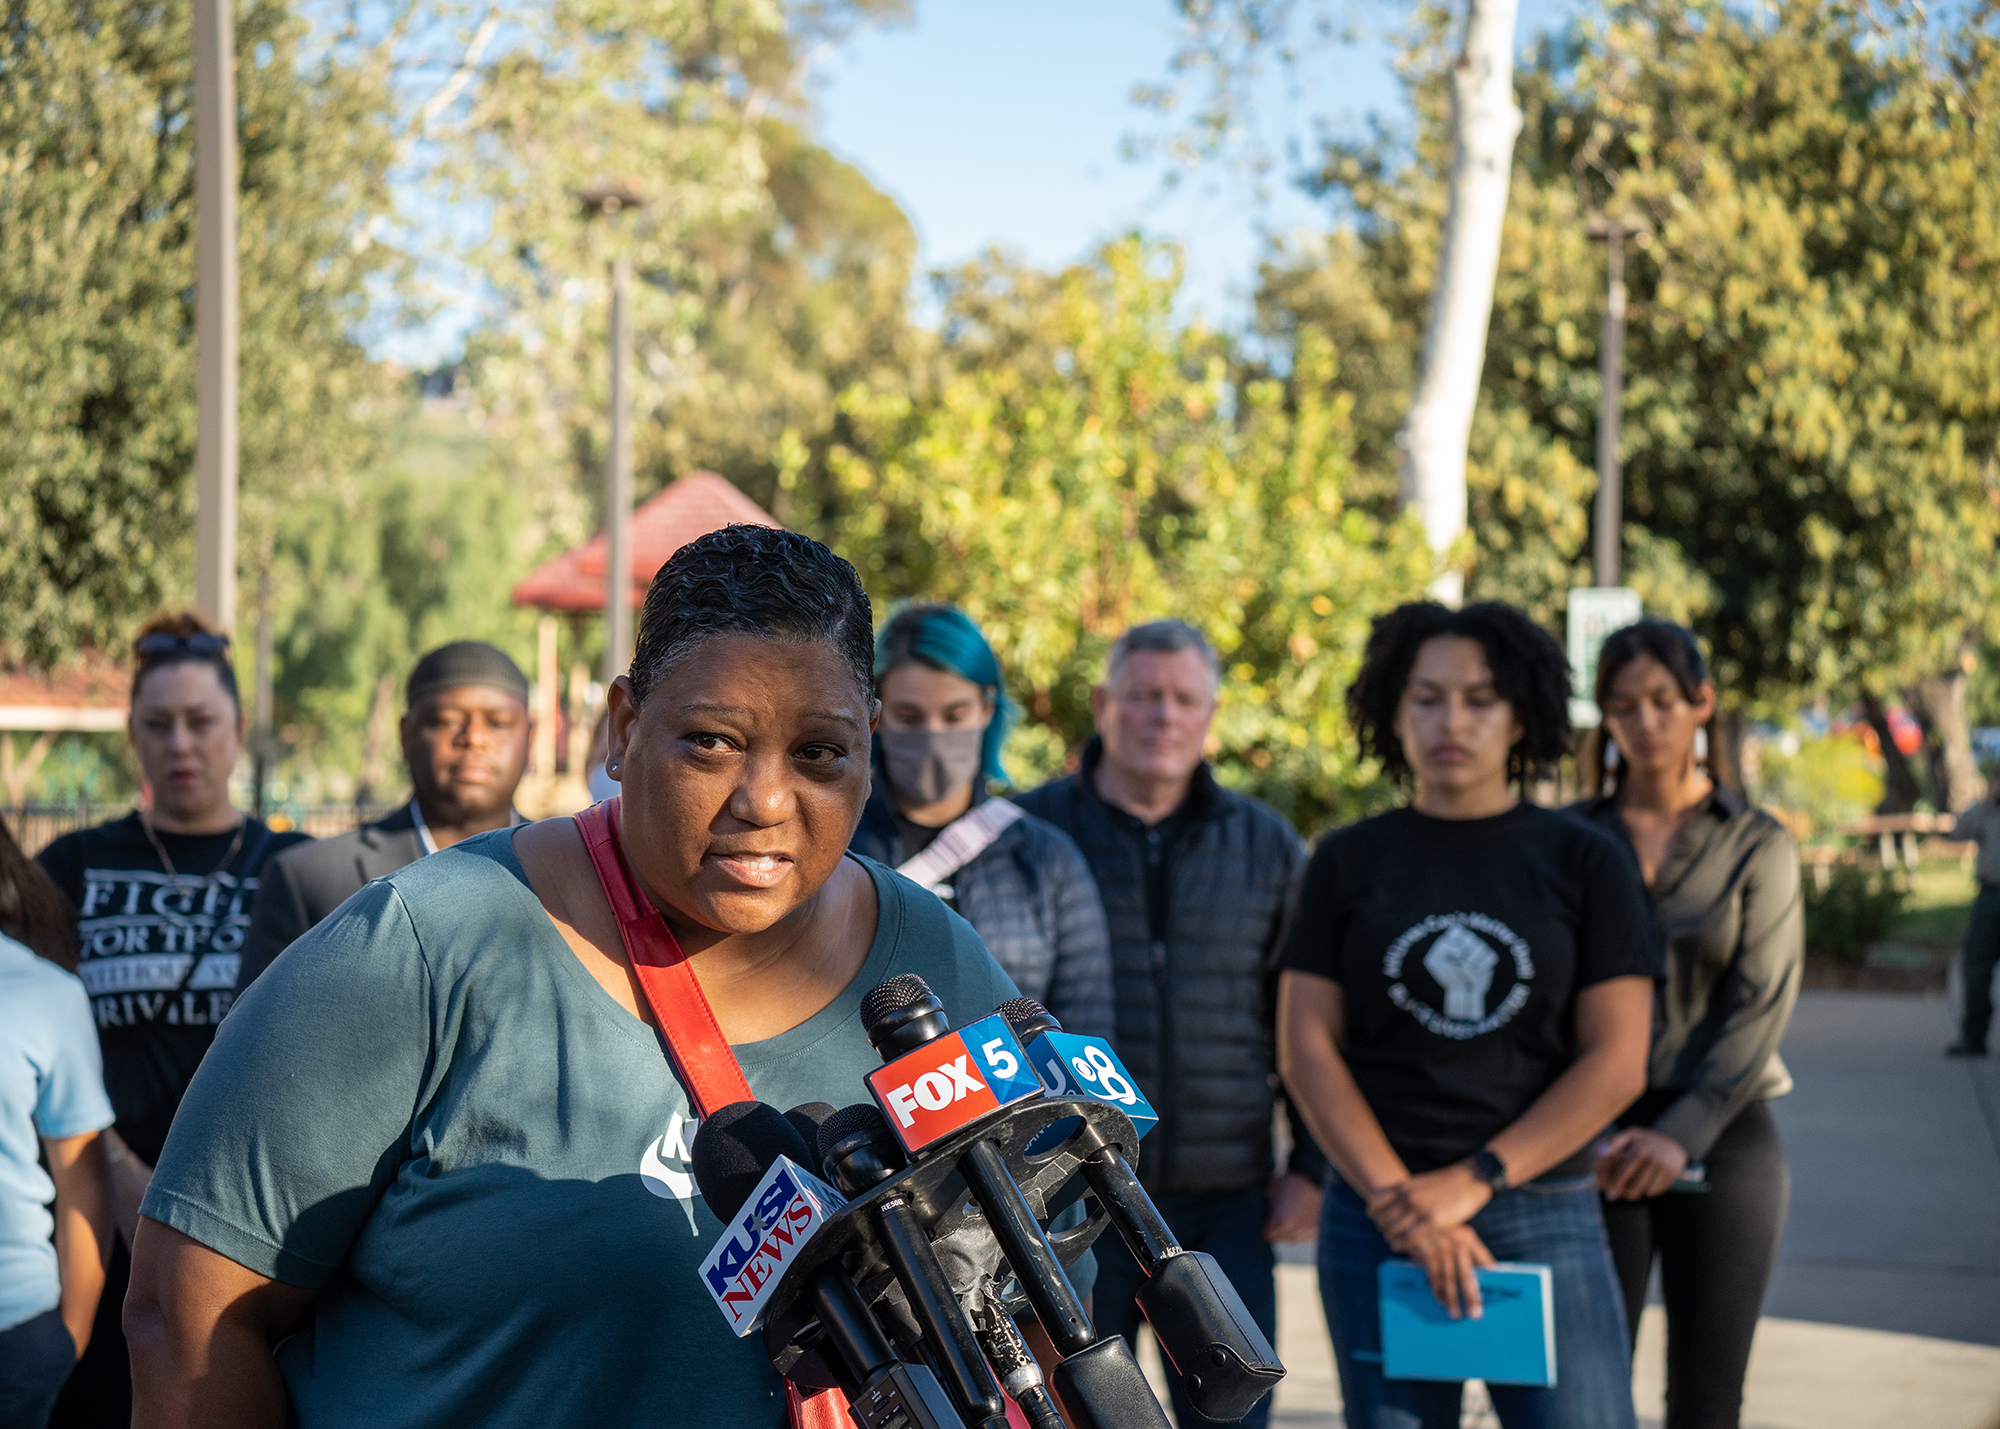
1490	1169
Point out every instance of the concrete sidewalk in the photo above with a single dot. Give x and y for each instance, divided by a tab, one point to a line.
1895	1156
1885	1309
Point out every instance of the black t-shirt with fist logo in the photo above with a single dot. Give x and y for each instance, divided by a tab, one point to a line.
1460	945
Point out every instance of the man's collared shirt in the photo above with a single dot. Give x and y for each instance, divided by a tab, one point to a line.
514	820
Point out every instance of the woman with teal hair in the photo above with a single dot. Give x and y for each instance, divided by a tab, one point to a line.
933	815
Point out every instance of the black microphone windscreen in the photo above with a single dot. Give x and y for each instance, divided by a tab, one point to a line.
735	1147
1019	1010
891	996
807	1118
862	1116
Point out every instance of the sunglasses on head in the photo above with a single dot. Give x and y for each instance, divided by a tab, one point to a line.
152	647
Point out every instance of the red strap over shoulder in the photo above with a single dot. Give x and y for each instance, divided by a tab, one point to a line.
700	1053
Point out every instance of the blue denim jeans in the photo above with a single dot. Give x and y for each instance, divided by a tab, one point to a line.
36	1356
1229	1225
1552	1222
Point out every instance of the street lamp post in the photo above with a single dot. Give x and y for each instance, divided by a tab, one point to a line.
1607	549
215	312
608	201
618	480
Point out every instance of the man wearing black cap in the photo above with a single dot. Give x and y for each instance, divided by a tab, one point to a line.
465	739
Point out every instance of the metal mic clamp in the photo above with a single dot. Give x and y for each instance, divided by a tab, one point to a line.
1020	1374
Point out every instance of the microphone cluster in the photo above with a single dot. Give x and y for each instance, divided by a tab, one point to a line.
885	1249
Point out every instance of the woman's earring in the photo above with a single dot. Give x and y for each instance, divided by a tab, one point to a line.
611	768
1610	755
1701	746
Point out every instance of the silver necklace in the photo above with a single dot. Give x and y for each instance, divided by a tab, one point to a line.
168	864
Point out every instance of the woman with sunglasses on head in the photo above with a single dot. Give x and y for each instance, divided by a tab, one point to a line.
1021	882
164	896
1695	1174
1463	1009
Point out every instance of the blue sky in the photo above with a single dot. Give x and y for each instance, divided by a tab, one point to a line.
1004	124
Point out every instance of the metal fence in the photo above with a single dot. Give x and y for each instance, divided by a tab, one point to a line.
35	826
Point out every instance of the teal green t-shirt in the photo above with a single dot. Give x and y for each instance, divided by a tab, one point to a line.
429	1111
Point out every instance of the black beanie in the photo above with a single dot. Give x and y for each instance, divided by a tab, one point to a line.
466	662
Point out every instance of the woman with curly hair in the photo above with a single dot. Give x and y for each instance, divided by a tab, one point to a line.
1464	1006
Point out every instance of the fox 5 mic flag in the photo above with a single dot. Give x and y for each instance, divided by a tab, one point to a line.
952	1081
785	1211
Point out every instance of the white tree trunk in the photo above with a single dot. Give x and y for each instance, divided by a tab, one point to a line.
1485	120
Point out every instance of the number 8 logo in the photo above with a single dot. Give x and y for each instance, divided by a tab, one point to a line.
1104	1072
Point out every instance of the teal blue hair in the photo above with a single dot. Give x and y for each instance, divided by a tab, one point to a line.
945	638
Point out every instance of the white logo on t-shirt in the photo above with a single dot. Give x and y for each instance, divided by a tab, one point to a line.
1462	958
664	1167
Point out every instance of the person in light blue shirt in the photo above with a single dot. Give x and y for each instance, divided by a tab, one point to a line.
51	1100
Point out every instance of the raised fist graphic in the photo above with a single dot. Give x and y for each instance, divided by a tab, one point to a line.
1463	964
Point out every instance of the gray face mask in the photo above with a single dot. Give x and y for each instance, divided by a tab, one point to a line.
926	765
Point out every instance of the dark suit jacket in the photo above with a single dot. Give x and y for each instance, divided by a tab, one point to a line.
303	885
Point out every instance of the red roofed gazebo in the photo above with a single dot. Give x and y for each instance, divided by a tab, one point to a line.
573	584
698	503
92	693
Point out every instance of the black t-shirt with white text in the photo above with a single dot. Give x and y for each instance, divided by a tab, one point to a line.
160	953
1460	946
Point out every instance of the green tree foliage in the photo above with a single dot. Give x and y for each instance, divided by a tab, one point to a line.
810	296
97	363
420	548
1813	357
1086	463
763	267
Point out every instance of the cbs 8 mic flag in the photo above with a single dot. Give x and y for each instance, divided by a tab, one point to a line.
1070	1065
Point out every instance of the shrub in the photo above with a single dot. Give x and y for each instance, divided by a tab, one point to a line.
1857	907
1831	779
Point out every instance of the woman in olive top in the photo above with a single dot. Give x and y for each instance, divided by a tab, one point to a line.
1463	1009
1695	1174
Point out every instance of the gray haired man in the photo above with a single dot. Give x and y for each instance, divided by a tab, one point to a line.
1194	879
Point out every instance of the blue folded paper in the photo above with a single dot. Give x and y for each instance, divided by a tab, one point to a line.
1513	1341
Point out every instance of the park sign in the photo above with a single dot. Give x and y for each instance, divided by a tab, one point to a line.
1594	612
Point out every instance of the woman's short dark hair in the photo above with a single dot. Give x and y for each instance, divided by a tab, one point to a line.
182	638
1674	646
1530	672
33	911
752	580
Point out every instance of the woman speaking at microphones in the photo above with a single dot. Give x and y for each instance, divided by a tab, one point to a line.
436	1173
